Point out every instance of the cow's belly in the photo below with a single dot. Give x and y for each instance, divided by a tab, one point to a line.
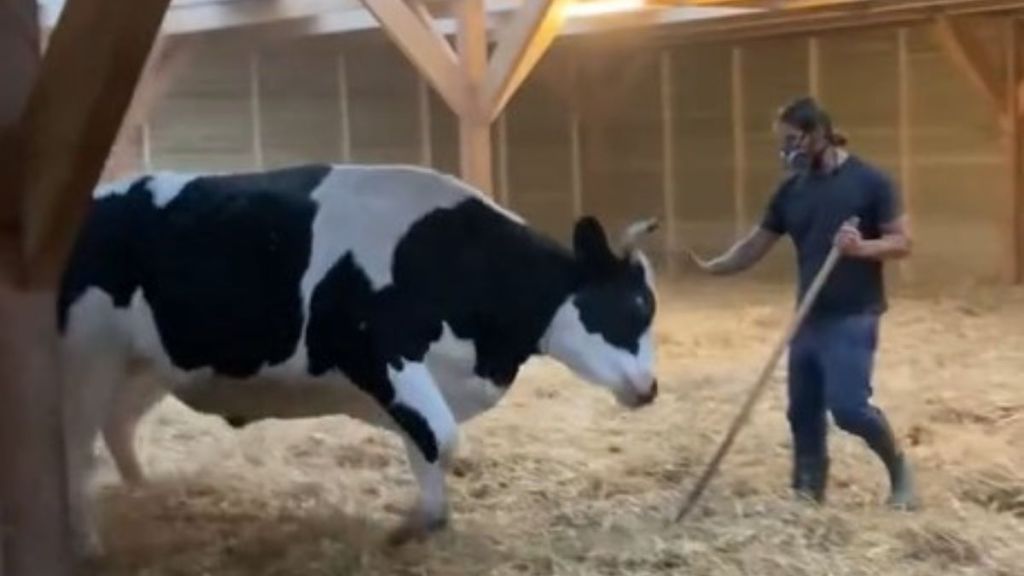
259	398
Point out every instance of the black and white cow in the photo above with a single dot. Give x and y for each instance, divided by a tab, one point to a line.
396	295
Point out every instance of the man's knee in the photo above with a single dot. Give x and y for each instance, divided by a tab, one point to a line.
856	419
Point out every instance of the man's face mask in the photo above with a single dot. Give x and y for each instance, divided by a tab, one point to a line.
793	152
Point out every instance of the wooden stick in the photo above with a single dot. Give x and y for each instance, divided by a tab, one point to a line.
759	386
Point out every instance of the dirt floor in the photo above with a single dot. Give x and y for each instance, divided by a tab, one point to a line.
559	480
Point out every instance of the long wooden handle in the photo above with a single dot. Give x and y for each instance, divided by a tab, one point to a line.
805	305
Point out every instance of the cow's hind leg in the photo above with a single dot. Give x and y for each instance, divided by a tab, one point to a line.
430	433
130	403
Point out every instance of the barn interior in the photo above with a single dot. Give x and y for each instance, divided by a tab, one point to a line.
619	109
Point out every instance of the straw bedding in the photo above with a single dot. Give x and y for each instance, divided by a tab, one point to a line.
559	480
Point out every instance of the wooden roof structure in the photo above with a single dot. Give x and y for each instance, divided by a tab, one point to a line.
57	133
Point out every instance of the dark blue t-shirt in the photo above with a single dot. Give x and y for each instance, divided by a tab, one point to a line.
811	207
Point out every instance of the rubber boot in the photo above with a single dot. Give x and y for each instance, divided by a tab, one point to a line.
902	494
810	478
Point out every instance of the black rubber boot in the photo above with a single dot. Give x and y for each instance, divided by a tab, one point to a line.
902	493
810	478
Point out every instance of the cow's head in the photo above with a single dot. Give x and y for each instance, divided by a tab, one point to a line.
602	332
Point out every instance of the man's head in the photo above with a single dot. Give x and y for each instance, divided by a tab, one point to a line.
805	135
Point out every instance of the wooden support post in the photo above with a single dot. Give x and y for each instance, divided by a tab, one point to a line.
739	142
50	160
504	184
343	110
147	146
668	153
255	109
814	67
474	125
1013	148
905	140
575	140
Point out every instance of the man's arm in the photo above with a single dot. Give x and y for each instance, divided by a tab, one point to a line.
742	256
895	242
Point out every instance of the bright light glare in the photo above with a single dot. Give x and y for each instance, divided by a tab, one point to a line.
602	7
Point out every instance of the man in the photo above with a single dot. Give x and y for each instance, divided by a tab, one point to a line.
831	356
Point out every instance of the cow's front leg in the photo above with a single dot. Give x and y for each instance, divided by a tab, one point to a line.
430	433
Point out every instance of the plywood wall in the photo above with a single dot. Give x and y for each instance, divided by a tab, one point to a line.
587	132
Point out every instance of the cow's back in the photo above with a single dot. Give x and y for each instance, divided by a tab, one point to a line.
217	261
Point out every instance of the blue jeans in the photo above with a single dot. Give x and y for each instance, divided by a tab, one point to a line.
831	361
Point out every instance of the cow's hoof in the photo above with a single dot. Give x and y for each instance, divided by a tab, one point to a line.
415	528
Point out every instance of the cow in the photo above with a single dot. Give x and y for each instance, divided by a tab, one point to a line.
397	295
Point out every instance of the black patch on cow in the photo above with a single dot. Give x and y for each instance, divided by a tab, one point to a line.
614	300
107	249
220	264
417	428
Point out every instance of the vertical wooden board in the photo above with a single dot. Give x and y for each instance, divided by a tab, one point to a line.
958	168
622	171
382	100
300	109
775	71
703	147
539	163
204	122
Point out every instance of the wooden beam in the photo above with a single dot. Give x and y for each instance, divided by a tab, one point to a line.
968	55
1013	149
906	152
474	126
668	156
256	110
343	110
96	53
425	124
429	52
739	142
814	66
520	46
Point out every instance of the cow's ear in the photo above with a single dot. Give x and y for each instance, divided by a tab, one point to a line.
591	245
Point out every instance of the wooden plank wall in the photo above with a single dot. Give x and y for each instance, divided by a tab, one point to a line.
586	131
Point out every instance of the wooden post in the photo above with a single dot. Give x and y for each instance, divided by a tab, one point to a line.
814	67
575	143
51	158
33	506
504	185
1013	137
905	141
343	110
739	143
255	109
474	127
668	183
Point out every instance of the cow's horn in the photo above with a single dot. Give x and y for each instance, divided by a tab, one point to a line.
633	232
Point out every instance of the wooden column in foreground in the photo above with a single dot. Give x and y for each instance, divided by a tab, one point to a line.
54	146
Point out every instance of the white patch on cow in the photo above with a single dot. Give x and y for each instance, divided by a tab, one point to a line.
164	186
629	376
415	389
367	211
451	361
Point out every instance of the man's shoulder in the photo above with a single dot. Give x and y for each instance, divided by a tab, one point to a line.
872	174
